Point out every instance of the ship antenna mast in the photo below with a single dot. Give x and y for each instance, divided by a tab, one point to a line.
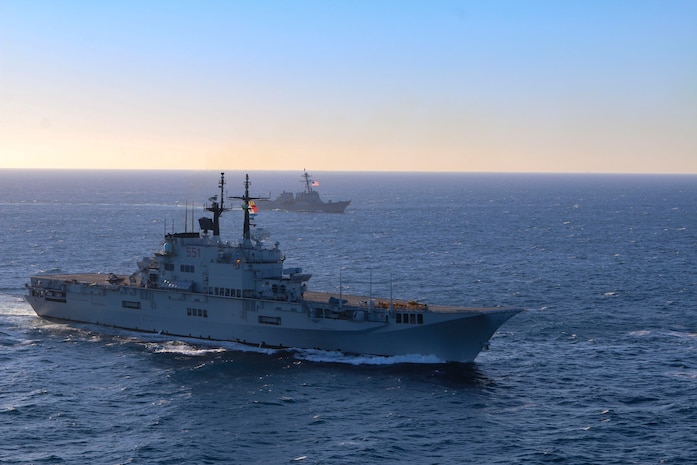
218	208
307	180
246	198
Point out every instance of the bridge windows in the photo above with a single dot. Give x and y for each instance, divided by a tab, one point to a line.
223	291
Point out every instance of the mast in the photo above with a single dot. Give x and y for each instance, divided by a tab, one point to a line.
307	181
246	198
218	208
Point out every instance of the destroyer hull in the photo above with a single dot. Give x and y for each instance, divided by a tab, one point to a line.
310	207
453	336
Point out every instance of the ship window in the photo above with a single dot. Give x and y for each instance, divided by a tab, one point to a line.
239	294
412	318
169	266
269	320
420	318
186	268
399	317
197	312
227	292
130	304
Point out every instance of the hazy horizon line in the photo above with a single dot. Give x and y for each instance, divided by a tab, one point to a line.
638	173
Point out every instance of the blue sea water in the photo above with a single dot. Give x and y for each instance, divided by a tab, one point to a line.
600	368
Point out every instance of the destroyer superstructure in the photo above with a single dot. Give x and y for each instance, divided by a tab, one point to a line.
200	286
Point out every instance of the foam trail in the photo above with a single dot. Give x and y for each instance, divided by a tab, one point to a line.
194	347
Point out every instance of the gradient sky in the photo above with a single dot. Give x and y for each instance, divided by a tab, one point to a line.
516	86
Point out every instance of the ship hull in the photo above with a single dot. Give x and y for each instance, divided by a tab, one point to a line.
448	336
300	206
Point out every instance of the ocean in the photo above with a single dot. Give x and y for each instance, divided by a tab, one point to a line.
601	367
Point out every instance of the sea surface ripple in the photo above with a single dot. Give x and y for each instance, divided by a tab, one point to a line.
600	368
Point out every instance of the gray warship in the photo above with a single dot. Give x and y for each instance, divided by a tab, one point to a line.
200	286
306	201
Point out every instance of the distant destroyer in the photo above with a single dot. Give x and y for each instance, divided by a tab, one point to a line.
200	286
306	201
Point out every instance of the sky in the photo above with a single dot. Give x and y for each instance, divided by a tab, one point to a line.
579	86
